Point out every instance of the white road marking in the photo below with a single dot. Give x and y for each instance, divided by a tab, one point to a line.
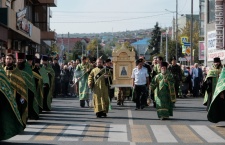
163	134
207	134
72	133
31	130
131	123
118	133
130	117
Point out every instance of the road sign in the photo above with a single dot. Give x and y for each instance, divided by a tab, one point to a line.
186	48
188	51
188	58
184	39
187	44
182	59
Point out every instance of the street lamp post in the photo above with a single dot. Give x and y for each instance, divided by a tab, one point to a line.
97	50
166	45
176	26
191	33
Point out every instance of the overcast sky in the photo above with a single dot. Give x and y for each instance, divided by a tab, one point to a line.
94	16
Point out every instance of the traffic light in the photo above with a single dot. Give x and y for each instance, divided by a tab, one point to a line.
64	56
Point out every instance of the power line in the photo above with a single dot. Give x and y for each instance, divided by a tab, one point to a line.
116	20
103	12
183	7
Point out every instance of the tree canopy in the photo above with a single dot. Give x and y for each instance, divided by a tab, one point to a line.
155	40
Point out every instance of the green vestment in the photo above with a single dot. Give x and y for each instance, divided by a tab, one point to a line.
33	107
20	90
100	89
216	112
10	121
214	75
82	69
39	88
163	85
47	100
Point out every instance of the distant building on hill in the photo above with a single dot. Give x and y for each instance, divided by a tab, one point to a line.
141	47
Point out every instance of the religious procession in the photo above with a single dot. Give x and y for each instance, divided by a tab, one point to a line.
29	83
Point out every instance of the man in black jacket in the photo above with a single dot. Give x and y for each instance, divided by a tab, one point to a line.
56	68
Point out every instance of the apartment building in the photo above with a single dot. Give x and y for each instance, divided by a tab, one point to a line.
25	26
214	30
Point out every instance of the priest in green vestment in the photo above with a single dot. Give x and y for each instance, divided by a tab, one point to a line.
163	85
211	81
26	71
98	80
10	121
216	112
18	86
82	70
45	72
38	82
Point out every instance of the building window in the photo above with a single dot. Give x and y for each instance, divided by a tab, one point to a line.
211	11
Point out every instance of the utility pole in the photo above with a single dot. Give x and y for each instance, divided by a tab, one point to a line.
68	42
166	45
161	42
97	51
191	33
176	27
82	49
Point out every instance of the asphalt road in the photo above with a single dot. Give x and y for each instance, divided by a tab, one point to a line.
68	124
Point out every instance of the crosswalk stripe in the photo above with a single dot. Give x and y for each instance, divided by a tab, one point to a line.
31	129
207	134
163	134
118	133
73	133
220	130
185	134
49	133
140	134
95	133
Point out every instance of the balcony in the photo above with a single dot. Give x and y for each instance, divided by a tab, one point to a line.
51	3
50	13
48	35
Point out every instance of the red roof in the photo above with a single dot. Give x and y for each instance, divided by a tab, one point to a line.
71	40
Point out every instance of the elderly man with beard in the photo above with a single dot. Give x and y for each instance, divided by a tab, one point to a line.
18	84
211	80
196	76
163	85
98	81
10	122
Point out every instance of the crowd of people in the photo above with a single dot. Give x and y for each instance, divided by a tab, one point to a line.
29	83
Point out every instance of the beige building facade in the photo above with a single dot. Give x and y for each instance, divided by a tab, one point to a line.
26	26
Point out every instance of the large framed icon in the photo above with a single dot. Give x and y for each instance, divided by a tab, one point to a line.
123	71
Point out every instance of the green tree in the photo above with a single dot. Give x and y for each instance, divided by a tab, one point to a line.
54	48
171	50
92	47
126	45
155	40
185	31
77	50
